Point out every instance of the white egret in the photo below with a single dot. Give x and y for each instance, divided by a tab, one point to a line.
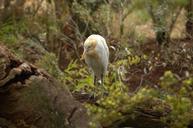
96	56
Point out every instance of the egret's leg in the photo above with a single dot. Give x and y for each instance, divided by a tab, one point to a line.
105	93
92	95
102	80
95	80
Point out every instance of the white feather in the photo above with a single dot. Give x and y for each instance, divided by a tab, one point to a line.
99	66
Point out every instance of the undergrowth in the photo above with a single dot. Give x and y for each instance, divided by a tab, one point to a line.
172	94
172	98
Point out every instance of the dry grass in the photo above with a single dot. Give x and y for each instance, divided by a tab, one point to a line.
179	28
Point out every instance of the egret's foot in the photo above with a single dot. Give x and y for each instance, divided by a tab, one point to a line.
105	93
92	96
99	82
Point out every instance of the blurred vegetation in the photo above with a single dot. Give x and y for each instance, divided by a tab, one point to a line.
150	70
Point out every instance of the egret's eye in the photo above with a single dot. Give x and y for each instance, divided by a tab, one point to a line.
89	47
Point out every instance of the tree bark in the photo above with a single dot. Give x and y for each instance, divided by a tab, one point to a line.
12	11
32	98
189	22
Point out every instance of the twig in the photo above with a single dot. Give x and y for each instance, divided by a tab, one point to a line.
37	9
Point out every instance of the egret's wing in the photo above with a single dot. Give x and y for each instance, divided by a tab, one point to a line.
105	46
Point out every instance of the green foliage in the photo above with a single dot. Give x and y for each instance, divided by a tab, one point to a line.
49	62
180	105
82	11
187	89
117	103
78	79
178	2
75	77
188	82
96	17
180	114
9	31
143	15
7	34
167	80
109	104
11	35
113	107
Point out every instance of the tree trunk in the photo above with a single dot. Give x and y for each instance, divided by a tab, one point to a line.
12	11
159	26
32	98
161	37
189	22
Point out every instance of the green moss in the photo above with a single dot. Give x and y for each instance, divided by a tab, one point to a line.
49	62
7	34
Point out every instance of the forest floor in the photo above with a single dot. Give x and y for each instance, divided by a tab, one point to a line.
176	57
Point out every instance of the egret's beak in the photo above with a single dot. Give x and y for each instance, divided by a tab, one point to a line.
83	56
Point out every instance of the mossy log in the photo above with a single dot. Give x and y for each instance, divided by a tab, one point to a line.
31	98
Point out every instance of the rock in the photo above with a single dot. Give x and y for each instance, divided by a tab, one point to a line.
31	98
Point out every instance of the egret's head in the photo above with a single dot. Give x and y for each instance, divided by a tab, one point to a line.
89	46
